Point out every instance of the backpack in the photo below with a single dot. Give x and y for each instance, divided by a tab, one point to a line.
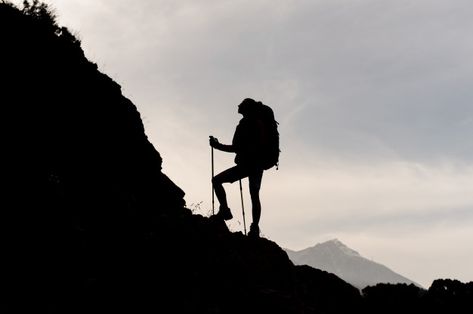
270	145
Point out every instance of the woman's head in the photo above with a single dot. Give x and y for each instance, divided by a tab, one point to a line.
247	106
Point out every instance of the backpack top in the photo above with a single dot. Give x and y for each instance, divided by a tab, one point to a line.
257	142
270	149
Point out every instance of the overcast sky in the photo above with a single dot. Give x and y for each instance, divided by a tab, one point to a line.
373	99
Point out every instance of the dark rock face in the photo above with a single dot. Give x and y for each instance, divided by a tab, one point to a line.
83	182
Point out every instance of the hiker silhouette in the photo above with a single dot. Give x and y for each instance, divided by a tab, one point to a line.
248	143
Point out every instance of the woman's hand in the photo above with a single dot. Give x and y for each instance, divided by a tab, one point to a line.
213	142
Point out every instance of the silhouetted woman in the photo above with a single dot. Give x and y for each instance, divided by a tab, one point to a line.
247	144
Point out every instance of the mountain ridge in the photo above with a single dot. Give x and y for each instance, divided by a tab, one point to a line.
336	257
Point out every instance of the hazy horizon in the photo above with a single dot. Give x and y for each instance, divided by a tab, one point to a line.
373	100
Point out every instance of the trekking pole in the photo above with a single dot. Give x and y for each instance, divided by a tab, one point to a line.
213	191
242	208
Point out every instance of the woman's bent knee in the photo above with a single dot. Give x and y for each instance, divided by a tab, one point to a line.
217	180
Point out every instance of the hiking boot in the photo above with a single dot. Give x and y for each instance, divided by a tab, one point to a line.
254	231
224	213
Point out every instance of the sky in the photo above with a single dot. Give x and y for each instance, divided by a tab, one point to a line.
373	98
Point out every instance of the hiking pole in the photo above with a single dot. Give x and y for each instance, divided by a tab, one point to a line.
242	208
213	191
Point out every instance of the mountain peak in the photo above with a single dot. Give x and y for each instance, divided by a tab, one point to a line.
336	244
335	257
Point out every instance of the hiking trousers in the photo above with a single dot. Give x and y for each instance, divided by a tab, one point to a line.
238	172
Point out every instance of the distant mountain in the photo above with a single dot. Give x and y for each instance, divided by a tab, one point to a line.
335	257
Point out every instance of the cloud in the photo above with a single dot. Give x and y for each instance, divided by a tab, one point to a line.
392	190
357	80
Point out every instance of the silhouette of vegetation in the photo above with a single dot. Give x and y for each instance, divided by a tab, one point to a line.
392	298
91	224
41	12
450	296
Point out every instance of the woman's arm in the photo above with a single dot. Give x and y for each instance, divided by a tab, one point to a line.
215	144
